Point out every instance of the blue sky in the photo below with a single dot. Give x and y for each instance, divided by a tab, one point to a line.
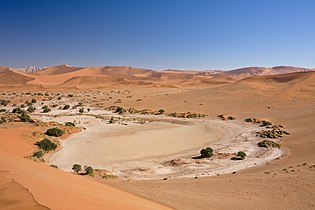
158	34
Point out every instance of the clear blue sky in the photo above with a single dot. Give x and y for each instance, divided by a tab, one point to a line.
158	34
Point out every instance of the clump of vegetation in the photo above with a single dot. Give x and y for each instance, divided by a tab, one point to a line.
25	118
3	110
31	109
223	117
120	110
207	152
76	168
111	120
66	107
4	102
161	111
70	124
241	154
46	109
81	110
18	110
38	154
88	170
33	101
46	145
186	115
54	132
268	143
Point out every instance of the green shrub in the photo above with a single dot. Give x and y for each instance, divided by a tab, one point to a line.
81	110
241	154
161	111
38	154
18	110
207	152
88	170
4	102
46	109
71	124
46	145
3	110
54	132
33	101
76	168
268	143
120	110
31	109
66	107
25	118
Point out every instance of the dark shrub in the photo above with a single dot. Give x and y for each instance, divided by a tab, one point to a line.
71	124
18	110
46	145
46	109
76	168
33	100
4	102
38	154
268	143
31	109
120	110
241	154
25	118
88	170
66	107
207	152
81	110
54	132
161	111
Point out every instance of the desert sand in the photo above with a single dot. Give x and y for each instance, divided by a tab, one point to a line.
284	183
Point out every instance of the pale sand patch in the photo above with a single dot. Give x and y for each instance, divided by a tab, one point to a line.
139	151
104	144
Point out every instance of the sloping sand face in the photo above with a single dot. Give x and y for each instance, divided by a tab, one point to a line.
106	144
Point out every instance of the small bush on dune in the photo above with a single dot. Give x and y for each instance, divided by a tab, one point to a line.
70	124
25	118
31	109
46	109
88	170
38	154
207	152
66	107
241	154
76	168
46	145
54	132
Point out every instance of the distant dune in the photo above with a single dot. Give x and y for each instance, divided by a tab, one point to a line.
65	75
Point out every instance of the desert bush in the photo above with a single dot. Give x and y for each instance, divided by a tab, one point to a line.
25	118
268	143
71	124
120	110
76	168
161	111
31	109
207	152
241	154
81	110
66	107
46	109
38	154
33	101
46	145
3	110
54	132
88	170
4	102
